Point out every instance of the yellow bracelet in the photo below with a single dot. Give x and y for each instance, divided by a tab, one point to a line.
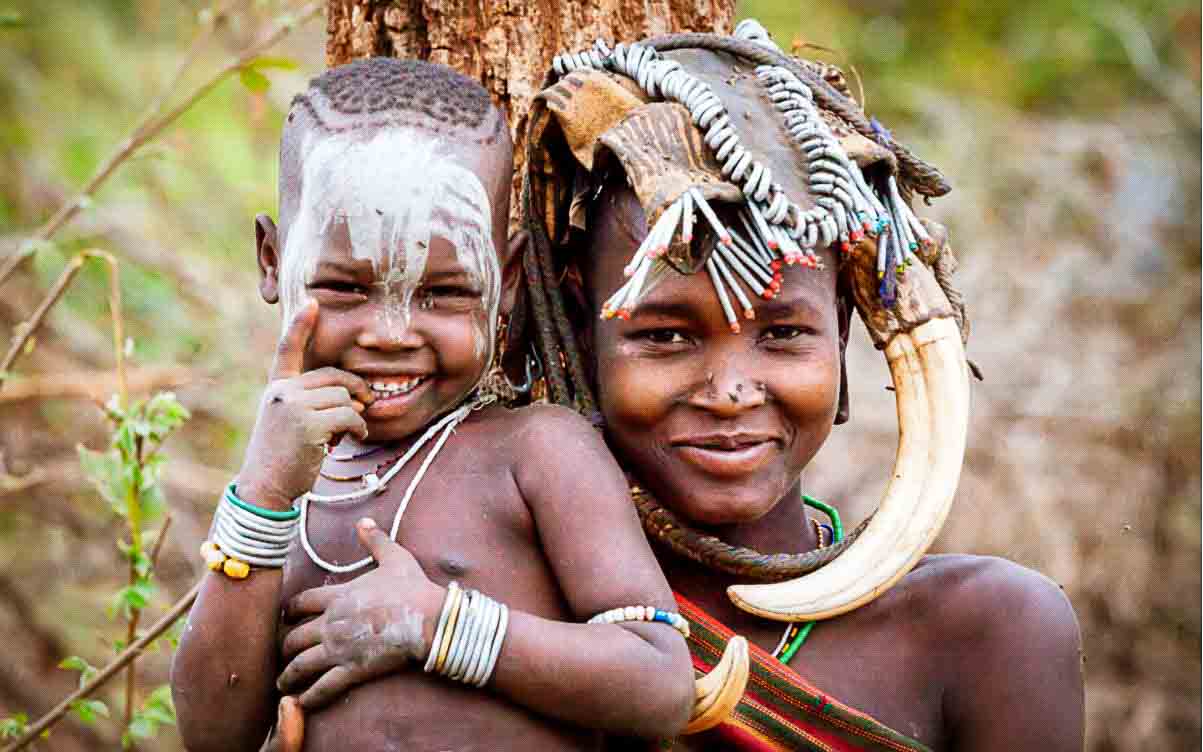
450	629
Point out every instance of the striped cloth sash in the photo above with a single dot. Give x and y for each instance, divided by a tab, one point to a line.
780	711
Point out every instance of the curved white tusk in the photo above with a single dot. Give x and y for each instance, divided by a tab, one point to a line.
718	692
930	378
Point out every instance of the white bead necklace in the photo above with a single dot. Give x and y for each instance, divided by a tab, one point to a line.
372	485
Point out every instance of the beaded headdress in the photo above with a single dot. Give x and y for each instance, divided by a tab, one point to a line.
650	102
697	123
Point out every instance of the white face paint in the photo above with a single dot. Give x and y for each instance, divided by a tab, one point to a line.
392	190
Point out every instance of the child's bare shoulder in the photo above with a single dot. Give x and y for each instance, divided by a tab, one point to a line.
555	454
542	426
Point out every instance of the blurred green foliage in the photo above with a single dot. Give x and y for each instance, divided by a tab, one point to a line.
1055	56
72	84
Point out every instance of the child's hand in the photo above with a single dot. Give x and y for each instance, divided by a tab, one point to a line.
299	414
369	627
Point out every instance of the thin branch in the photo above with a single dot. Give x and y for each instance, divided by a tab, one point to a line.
131	674
151	125
1134	38
118	326
162	536
130	653
96	386
23	333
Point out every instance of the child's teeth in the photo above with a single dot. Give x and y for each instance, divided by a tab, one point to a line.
398	387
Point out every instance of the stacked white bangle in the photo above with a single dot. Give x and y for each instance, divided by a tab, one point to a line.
251	538
468	636
643	613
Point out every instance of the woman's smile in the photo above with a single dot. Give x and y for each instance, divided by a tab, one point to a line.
727	455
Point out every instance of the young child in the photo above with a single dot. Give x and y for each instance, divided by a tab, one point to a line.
394	186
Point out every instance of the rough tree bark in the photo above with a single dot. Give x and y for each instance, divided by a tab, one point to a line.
507	45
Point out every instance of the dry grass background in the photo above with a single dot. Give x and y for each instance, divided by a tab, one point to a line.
1079	238
1083	457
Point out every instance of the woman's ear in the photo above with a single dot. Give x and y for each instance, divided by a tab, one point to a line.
844	315
511	270
267	255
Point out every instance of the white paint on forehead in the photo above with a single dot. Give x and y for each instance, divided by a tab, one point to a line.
392	189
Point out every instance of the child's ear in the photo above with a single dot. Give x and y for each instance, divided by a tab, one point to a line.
511	270
267	254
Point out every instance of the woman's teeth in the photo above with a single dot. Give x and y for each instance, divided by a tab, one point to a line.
393	388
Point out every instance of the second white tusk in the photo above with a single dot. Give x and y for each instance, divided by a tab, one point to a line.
931	385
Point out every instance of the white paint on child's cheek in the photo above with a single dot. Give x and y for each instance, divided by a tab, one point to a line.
391	191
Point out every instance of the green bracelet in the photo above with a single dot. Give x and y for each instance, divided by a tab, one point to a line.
267	514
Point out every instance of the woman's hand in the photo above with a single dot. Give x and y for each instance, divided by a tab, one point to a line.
300	413
374	625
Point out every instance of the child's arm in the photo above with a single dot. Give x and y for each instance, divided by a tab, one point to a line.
223	674
633	678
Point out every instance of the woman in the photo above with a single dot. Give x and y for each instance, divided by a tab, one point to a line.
715	414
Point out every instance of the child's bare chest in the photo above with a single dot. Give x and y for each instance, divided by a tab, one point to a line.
465	521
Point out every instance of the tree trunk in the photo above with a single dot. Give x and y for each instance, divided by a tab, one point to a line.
507	45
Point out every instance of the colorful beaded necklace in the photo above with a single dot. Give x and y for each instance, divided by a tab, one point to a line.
797	633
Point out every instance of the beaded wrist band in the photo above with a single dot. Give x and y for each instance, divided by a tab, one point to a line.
643	613
468	636
244	534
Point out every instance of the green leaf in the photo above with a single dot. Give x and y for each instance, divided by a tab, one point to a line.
103	469
141	564
133	597
173	634
165	413
14	726
159	714
152	502
113	409
267	62
125	439
75	663
10	19
87	710
161	695
253	80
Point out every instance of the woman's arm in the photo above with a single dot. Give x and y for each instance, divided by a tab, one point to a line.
1014	654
